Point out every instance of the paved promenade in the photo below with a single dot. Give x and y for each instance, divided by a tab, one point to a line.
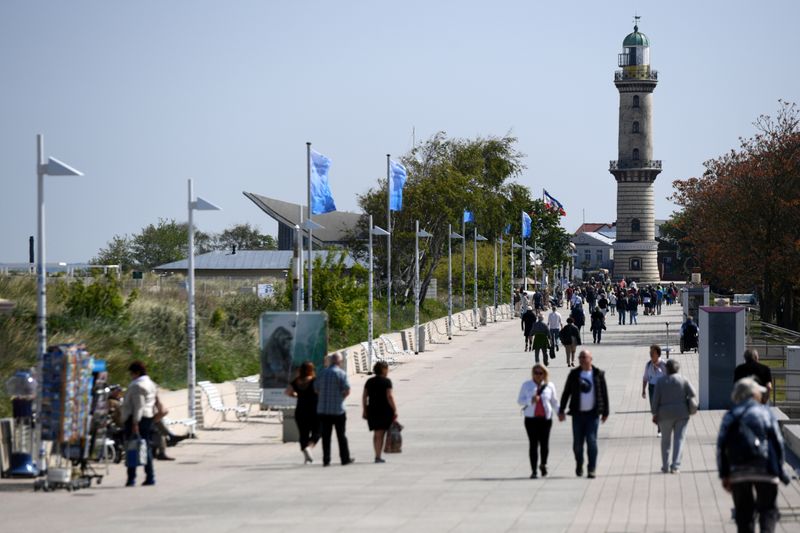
464	466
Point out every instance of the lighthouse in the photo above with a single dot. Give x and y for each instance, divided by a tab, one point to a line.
635	249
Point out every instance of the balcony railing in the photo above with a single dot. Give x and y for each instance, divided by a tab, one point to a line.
638	75
634	163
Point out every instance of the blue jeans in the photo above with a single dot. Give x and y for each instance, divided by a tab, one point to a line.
145	431
554	338
584	428
633	314
621	316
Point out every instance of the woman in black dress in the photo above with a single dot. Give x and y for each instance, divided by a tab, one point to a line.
302	388
379	406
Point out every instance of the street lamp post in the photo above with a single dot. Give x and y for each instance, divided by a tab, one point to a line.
450	279
53	167
417	235
373	230
494	293
194	205
499	288
476	238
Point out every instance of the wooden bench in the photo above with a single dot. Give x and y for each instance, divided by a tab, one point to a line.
215	402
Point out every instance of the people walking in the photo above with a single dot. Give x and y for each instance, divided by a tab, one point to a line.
672	403
541	340
538	398
758	371
137	412
612	302
654	370
598	324
586	394
578	317
379	409
305	414
571	338
333	387
622	307
554	325
528	320
633	308
750	457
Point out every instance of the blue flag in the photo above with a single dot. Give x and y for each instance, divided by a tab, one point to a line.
321	197
526	225
468	216
397	180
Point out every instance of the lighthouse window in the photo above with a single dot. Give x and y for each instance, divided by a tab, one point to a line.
636	263
635	154
635	100
635	225
635	127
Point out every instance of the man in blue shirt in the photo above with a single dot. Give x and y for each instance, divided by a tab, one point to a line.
332	387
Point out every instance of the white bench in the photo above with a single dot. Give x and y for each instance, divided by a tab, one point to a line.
215	402
376	354
435	334
392	348
190	423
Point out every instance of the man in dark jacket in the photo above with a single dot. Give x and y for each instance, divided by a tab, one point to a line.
587	395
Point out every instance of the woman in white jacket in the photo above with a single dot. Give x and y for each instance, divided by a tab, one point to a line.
539	400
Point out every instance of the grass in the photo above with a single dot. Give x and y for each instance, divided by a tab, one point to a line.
154	331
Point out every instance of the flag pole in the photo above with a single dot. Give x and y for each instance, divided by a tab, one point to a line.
524	254
449	281
463	262
475	275
512	273
310	239
369	298
388	246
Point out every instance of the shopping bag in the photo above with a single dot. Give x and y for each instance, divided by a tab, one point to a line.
394	440
136	452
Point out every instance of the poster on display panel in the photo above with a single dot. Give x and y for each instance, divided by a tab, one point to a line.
287	340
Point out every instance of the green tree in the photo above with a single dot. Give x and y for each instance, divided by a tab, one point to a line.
445	177
165	242
116	252
244	237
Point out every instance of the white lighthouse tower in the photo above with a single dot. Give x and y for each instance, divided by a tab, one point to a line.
635	250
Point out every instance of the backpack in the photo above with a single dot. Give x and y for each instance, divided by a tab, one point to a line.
564	336
743	446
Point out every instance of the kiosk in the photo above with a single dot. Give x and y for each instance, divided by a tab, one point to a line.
721	349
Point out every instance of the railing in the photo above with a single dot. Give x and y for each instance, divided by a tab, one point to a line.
634	163
621	75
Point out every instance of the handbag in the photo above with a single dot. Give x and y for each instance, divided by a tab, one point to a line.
394	440
691	403
136	452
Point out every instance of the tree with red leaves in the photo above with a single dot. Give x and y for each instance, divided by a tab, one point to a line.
742	218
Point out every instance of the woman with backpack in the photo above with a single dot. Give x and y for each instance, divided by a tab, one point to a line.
539	401
750	457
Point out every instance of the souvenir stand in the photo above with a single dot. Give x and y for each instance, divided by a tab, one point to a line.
67	385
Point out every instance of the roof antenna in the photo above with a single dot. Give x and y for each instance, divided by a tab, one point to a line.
636	22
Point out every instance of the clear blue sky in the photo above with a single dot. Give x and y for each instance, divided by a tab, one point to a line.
142	95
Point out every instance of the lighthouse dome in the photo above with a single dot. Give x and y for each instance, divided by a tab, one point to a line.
636	38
